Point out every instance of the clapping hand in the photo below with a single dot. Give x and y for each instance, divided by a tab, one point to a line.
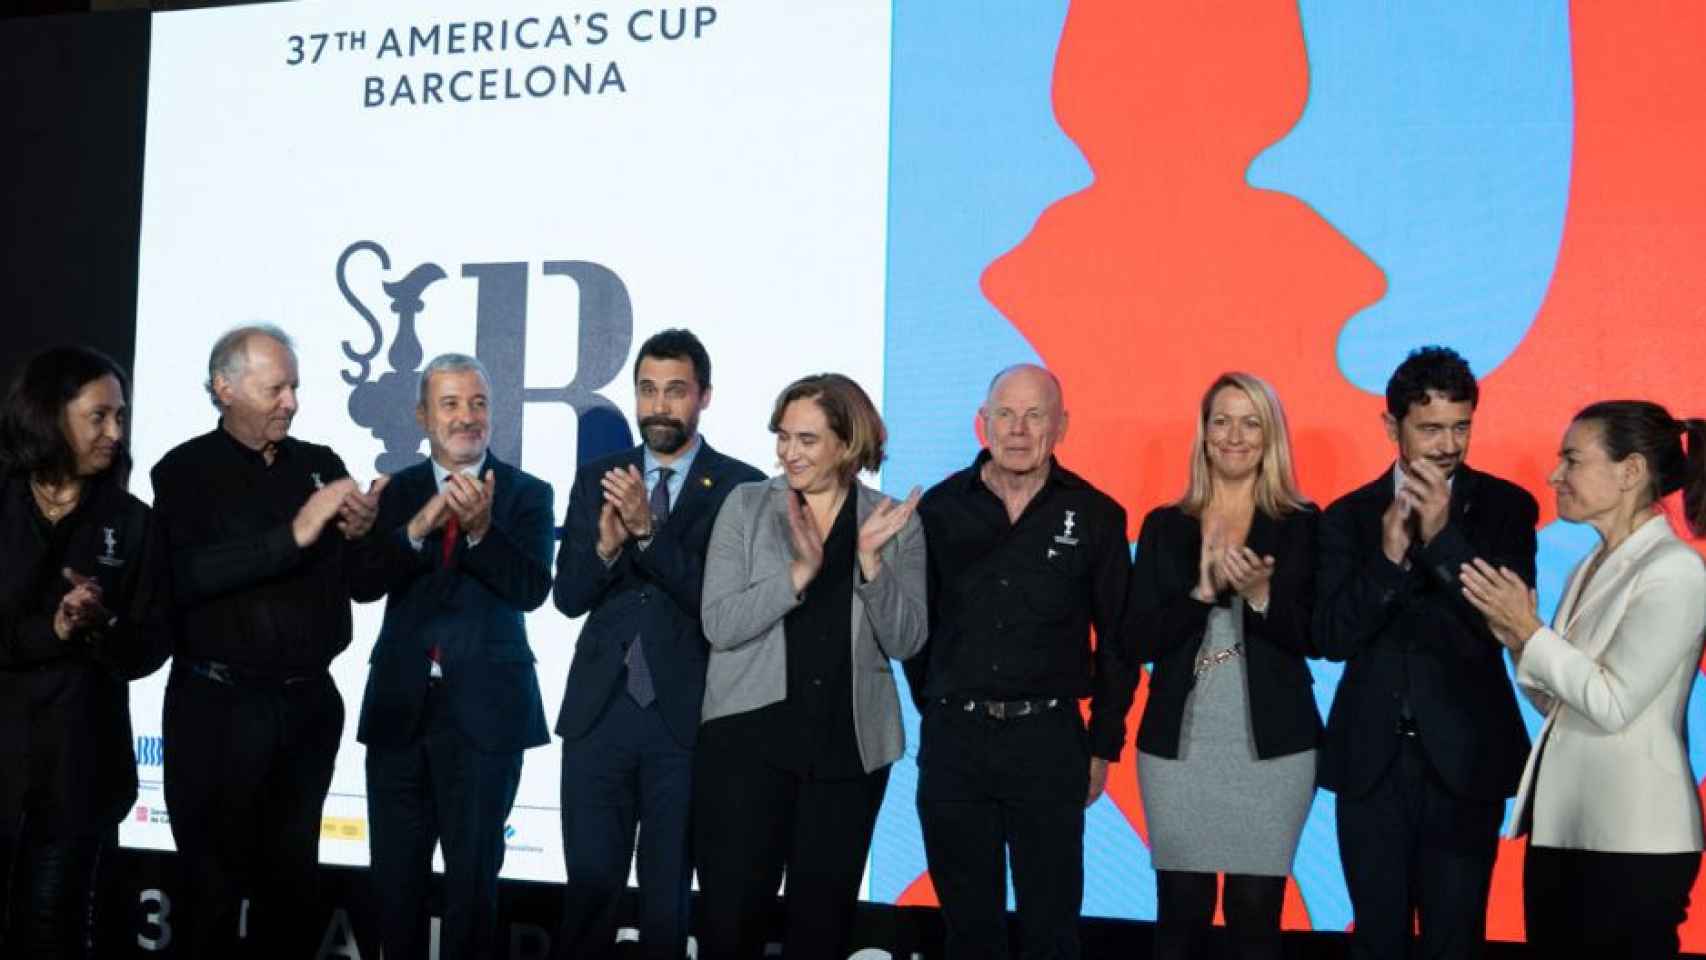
358	510
612	532
885	520
81	607
1504	599
429	517
1429	489
625	490
324	504
807	542
1209	579
471	502
1247	572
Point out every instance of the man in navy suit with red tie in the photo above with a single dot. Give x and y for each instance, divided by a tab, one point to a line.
462	550
633	555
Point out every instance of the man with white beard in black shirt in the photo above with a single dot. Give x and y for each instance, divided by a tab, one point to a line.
1024	558
252	720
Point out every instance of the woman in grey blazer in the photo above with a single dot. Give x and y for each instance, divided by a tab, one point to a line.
813	581
1608	801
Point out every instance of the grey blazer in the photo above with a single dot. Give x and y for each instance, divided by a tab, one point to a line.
748	594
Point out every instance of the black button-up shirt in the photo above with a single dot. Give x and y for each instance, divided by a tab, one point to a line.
247	595
810	733
1012	604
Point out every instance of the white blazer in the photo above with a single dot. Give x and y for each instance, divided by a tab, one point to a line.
1613	681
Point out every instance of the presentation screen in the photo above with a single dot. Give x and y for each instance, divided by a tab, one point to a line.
916	194
542	185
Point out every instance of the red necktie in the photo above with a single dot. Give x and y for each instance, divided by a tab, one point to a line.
447	556
452	530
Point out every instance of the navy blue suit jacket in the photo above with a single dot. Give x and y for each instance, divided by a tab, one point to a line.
650	594
472	610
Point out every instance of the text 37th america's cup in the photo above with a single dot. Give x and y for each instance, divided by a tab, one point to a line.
579	45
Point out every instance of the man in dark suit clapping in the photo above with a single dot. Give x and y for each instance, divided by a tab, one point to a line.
1424	741
462	549
633	555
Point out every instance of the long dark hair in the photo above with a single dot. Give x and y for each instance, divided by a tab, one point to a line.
32	432
1629	427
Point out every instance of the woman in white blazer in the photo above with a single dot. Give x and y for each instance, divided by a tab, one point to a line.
813	581
1608	801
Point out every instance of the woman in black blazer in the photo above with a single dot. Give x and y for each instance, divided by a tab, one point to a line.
83	609
1220	604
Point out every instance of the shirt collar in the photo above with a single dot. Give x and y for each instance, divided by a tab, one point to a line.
281	449
439	474
1056	473
681	465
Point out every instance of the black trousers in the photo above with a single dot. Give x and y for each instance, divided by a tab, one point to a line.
438	790
247	770
1590	904
752	823
988	787
49	886
1411	847
626	772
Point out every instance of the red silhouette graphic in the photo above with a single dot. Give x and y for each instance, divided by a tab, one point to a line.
1170	268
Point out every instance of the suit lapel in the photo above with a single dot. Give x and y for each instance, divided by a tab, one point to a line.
699	480
1463	488
867	501
1569	606
1264	532
1608	580
1383	491
503	478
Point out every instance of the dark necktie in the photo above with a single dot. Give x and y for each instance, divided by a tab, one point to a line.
639	672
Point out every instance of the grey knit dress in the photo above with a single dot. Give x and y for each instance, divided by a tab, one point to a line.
1217	808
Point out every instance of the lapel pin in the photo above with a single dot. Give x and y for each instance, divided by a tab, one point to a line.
705	482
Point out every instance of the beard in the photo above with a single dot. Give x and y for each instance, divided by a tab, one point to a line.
664	434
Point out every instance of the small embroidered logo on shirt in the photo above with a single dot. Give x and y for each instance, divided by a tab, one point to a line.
111	557
1065	534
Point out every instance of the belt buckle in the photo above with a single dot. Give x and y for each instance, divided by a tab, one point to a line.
218	673
997	709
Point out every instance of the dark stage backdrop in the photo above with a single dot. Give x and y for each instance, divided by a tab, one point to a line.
75	95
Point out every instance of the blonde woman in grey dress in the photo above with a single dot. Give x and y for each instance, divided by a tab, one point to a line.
1220	606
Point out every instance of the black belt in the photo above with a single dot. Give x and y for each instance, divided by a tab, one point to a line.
233	676
1003	709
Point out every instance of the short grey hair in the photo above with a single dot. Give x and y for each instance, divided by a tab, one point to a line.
451	363
230	355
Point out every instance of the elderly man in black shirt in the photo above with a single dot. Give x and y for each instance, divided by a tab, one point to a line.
1025	558
252	721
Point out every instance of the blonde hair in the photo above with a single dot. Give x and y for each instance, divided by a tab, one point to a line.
1276	482
850	413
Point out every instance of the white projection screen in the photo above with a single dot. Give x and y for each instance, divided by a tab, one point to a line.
542	184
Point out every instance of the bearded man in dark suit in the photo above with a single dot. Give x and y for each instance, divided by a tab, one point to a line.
1424	742
633	556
